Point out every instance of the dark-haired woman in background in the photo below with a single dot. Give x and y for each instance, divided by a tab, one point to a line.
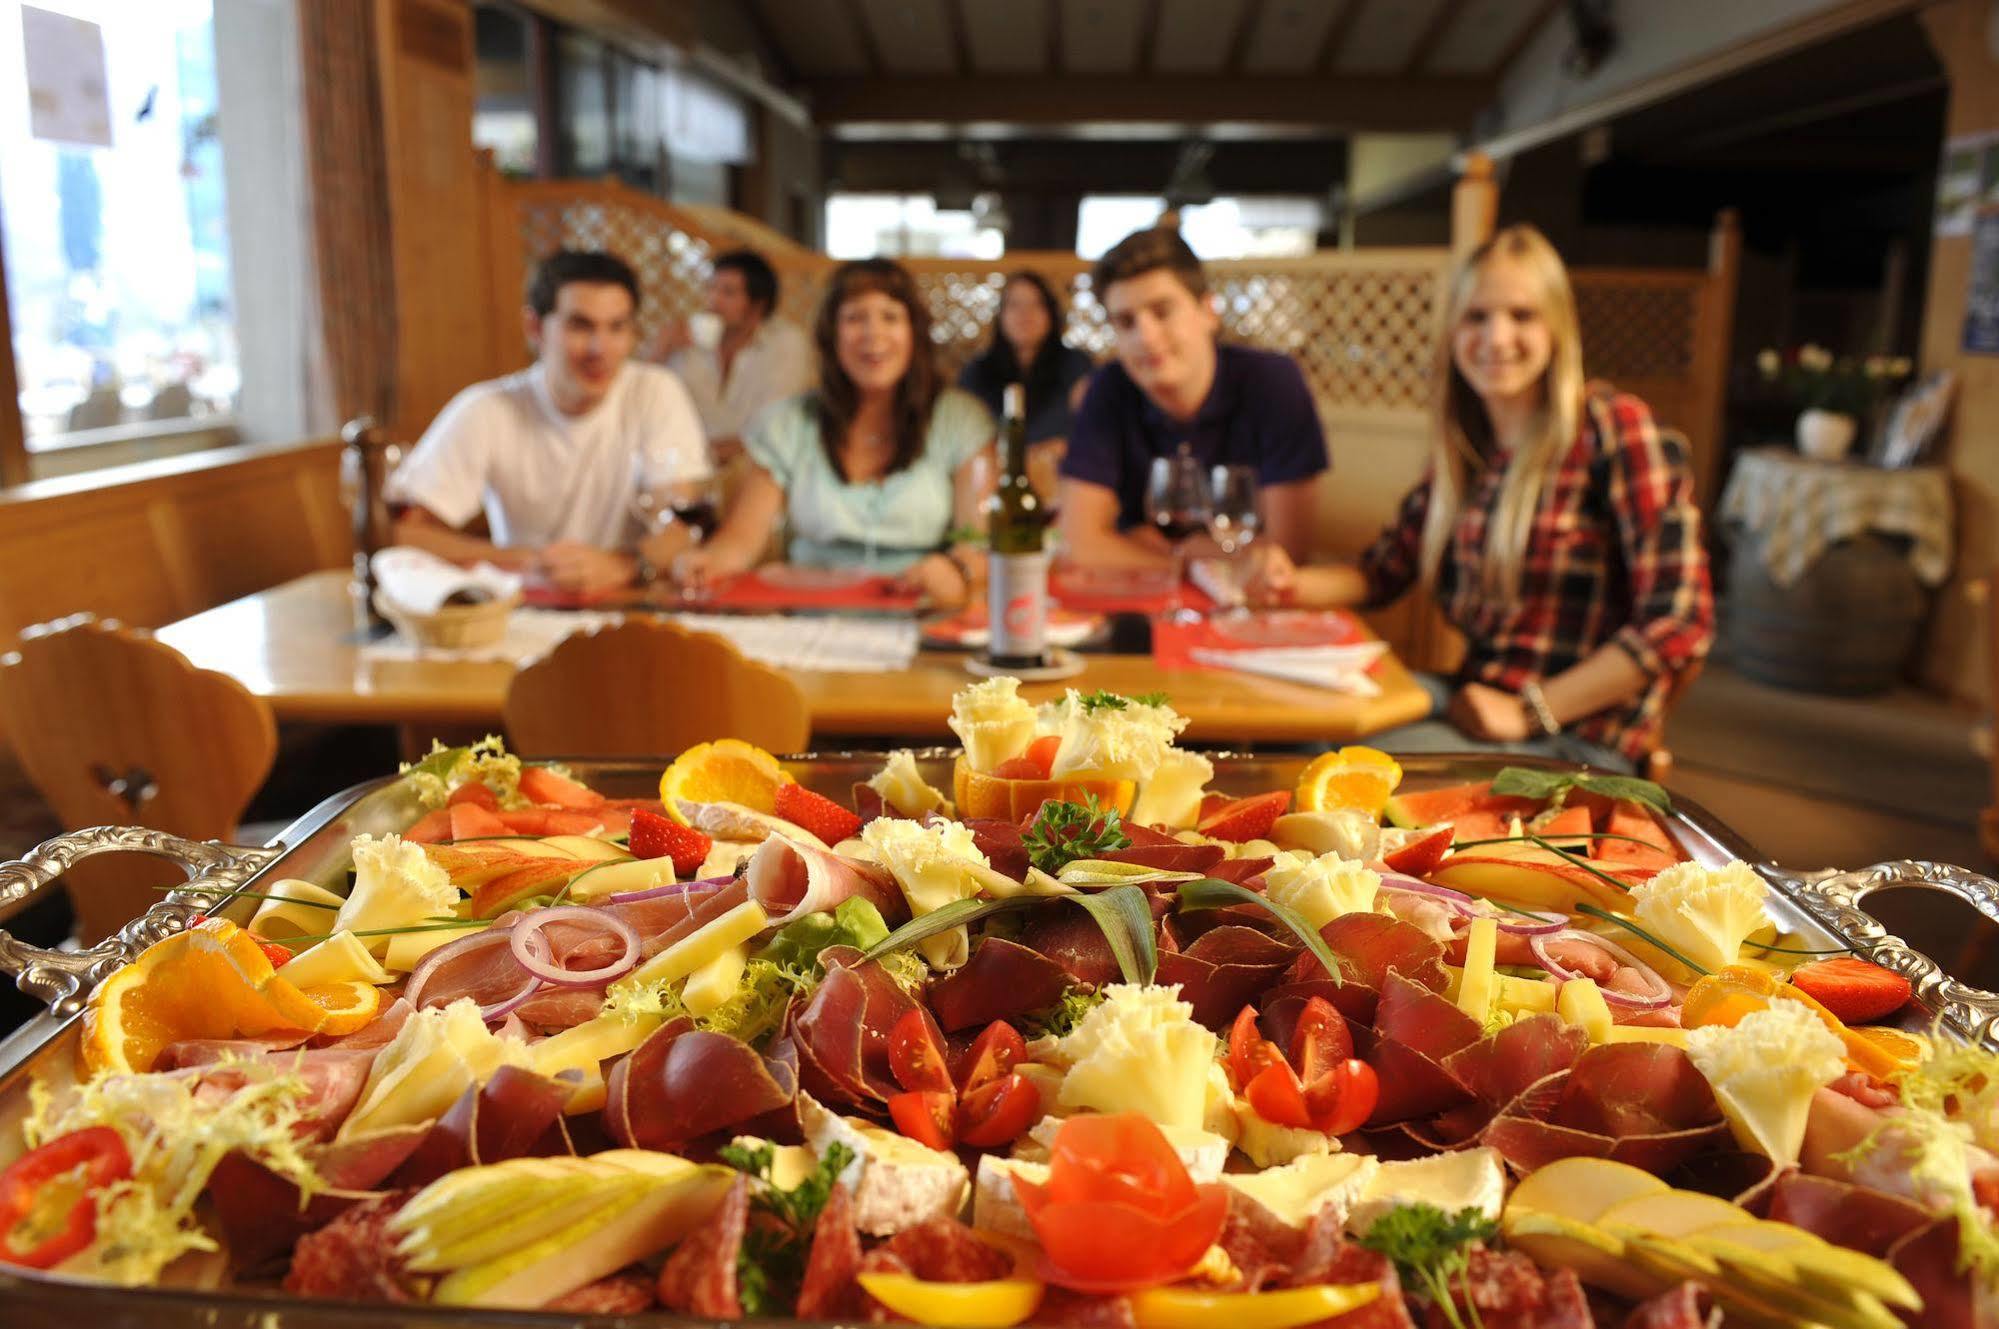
1027	349
874	469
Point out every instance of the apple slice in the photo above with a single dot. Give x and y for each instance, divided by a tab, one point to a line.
587	847
1558	886
1582	1188
598	880
540	877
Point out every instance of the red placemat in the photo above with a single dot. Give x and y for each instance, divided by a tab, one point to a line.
968	628
1116	591
781	591
554	597
1172	643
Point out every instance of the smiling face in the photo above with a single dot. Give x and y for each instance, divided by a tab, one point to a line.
873	341
1503	342
1165	338
1023	319
583	342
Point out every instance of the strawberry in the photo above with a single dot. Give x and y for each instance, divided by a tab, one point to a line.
1852	989
1419	858
279	956
654	836
816	813
1037	763
1246	818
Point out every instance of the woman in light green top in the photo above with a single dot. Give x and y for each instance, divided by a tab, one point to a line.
873	470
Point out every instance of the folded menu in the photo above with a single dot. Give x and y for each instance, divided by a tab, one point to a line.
422	583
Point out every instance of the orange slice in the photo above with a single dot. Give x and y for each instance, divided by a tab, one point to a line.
1907	1049
212	981
725	771
980	796
1355	778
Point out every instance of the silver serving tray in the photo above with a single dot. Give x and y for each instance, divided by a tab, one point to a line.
1823	905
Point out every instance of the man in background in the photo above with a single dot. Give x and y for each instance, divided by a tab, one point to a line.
741	357
1174	386
557	454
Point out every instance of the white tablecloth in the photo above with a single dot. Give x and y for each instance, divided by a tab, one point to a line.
836	642
1797	508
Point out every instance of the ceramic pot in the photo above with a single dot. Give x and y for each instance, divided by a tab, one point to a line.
1826	435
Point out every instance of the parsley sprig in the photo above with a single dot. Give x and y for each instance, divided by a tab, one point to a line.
1430	1248
1065	832
778	1240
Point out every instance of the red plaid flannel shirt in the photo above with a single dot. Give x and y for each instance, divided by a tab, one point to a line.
1615	555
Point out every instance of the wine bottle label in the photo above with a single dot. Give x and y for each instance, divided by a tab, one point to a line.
1017	603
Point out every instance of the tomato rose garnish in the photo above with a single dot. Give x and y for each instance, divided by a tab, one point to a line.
1118	1210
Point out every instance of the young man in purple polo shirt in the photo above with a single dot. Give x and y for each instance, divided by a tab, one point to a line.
1174	385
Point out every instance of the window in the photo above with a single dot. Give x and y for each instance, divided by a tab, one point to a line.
117	253
503	116
905	225
1226	228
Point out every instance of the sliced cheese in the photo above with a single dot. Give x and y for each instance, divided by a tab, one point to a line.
995	1207
584	1048
1526	996
1467	1178
700	946
1271	1145
1581	1003
897	1183
341	958
407	949
1636	1033
1300	1189
1476	988
710	987
296	908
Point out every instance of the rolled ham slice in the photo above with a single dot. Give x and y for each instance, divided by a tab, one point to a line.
790	877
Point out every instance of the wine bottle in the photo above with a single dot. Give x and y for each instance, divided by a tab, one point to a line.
1017	531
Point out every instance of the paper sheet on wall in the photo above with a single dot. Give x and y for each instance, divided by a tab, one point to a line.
69	95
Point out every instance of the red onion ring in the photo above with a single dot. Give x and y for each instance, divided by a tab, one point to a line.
1467	906
492	935
1662	996
672	888
1395	881
1542	926
526	938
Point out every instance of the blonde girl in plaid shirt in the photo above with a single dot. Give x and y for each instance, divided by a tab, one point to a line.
1556	527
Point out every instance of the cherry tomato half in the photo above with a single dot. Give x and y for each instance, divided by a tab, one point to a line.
1344	1097
924	1116
916	1055
1278	1098
998	1112
1249	1051
1321	1040
994	1053
48	1203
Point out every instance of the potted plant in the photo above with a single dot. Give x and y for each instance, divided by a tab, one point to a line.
1834	393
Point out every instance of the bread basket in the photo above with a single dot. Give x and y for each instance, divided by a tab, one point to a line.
452	627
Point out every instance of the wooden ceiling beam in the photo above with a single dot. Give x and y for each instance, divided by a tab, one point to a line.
857	19
1528	31
1419	54
1148	36
961	37
1336	37
1054	21
1245	33
1375	103
766	36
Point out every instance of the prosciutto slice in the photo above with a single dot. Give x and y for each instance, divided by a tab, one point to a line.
790	876
1224	970
733	821
1002	979
1637	1103
683	1082
841	1034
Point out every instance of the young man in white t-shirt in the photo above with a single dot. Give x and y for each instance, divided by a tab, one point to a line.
556	454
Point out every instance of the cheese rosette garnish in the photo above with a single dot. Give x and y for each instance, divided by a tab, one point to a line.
993	721
1172	796
1140	1051
1322	888
1705	913
1339	831
933	865
1110	737
1764	1070
903	788
396	885
437	1055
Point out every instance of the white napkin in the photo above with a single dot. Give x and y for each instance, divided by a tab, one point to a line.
1337	668
844	642
420	582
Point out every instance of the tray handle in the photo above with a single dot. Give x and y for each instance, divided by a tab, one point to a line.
1833	898
63	979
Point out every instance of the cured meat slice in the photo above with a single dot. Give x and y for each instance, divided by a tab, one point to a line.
1072	939
1845	1214
940	1250
828	1290
789	876
1224	970
1262	1246
353	1257
1498	1068
1505	1290
507	1117
627	1292
1328	1257
842	1033
1062	1308
1929	1259
699	1278
1002	844
1171	857
683	1082
1637	1103
1677	1308
1001	980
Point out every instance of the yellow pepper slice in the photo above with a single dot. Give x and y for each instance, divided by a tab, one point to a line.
989	1305
1189	1308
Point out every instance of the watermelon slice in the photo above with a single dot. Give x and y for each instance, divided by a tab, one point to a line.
1431	807
431	828
542	785
469	821
1634	819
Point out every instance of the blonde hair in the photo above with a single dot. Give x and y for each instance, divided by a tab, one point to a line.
1462	444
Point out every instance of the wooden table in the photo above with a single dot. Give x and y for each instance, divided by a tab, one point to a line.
295	646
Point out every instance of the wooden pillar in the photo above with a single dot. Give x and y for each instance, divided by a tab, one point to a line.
13	429
1474	205
505	263
1714	328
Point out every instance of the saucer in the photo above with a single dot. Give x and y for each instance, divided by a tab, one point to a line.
1061	664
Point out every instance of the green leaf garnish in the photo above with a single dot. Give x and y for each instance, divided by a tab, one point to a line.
1122	913
1638	932
1209	893
1150	699
771	1263
1526	782
1061	1019
1100	700
1065	832
1429	1248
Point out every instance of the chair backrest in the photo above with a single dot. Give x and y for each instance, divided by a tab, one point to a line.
647	687
117	729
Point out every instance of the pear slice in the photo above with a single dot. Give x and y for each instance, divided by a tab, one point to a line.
1756	1290
1553	1241
1820	1261
1583	1188
512	1210
1671	1213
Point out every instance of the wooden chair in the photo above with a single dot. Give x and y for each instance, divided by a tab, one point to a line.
646	687
115	728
